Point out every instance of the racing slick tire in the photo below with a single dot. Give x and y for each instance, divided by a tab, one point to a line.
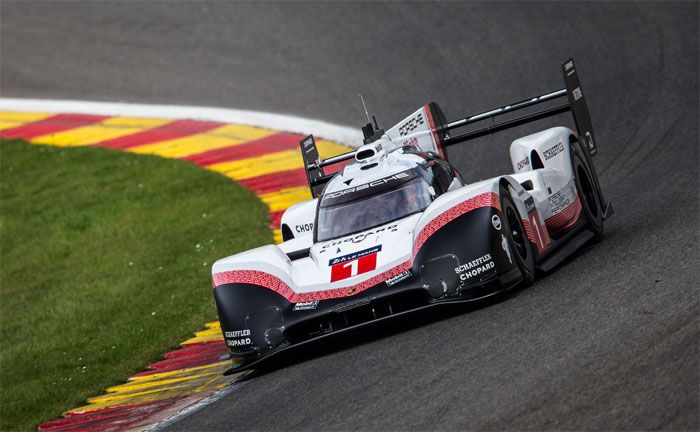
517	237
591	207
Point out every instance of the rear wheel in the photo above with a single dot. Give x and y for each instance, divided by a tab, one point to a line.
520	246
587	192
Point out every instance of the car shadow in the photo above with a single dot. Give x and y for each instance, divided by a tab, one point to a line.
372	332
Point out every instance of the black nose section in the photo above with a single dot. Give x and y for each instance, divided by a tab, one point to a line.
439	277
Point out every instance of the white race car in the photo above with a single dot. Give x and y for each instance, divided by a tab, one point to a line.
397	229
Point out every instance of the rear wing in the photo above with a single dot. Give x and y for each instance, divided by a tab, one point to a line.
437	128
574	102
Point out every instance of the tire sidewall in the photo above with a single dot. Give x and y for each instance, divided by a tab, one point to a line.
587	192
527	264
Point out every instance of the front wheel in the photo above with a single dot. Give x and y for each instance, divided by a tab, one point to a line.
517	238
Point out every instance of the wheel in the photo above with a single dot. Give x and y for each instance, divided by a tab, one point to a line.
588	194
517	237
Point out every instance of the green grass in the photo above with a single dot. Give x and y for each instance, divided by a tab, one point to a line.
105	264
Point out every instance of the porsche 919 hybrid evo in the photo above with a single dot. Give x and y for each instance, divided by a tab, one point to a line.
397	229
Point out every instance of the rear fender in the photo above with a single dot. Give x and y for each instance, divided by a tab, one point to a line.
546	149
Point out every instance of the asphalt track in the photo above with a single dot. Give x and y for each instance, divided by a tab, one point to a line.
610	340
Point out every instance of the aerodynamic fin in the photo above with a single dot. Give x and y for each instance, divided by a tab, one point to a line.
312	165
579	108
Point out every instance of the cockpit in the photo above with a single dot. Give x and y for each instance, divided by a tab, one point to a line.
381	201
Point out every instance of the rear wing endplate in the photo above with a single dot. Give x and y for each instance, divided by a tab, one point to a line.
579	108
312	165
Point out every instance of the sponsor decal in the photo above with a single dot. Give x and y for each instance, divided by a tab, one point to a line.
529	205
398	278
379	182
577	93
569	68
237	333
359	238
496	222
553	151
411	124
354	264
560	200
309	305
238	342
475	267
302	228
309	144
589	140
523	163
506	248
240	338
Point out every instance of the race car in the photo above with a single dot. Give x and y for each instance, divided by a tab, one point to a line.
397	229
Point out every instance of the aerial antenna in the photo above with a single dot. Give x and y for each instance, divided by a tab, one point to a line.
369	131
365	107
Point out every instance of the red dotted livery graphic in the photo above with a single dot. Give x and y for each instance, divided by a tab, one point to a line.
486	199
275	284
537	233
253	277
565	218
354	264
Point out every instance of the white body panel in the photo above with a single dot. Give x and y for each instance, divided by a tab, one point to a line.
552	186
552	190
416	130
300	218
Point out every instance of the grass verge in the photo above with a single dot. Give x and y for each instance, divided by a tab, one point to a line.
105	264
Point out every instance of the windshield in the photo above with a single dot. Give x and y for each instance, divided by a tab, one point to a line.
371	210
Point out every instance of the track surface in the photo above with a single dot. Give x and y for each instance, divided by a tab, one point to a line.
607	341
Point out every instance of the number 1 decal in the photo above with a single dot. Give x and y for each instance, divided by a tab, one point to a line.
354	264
353	267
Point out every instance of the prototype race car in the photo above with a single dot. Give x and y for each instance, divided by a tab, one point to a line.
397	229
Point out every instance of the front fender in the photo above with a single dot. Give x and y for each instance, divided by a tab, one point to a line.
251	317
464	253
